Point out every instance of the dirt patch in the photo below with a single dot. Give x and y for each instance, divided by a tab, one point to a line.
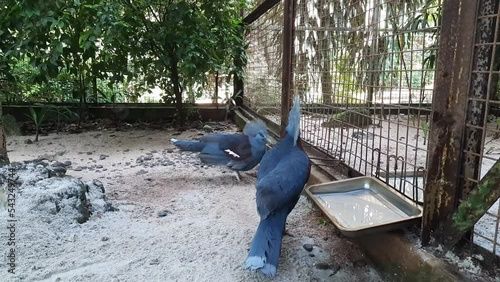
176	219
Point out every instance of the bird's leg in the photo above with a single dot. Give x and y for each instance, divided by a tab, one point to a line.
238	176
252	174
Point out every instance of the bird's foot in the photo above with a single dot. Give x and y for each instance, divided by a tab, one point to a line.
252	174
238	176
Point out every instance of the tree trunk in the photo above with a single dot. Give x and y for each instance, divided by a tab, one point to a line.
177	92
4	159
94	87
216	92
83	99
324	52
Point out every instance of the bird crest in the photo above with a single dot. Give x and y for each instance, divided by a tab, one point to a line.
293	126
253	127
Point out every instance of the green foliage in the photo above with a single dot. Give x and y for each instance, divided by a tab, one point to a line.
175	44
322	221
479	200
38	116
98	50
425	130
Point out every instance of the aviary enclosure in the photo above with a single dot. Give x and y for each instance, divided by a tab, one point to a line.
406	91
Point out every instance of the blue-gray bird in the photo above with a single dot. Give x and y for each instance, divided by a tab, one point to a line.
283	172
238	152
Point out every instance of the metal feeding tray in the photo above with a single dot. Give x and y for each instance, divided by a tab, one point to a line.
363	205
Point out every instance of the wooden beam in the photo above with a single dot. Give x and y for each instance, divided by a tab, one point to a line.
260	10
287	75
453	72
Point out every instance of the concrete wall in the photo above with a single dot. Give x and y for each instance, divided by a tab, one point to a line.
125	112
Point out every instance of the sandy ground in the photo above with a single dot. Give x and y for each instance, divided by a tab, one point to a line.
210	219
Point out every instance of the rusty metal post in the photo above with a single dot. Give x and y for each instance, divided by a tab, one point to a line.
287	75
453	72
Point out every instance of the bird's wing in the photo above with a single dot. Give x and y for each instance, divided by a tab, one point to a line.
236	146
281	187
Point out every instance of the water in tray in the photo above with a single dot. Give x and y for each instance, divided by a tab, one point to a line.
360	208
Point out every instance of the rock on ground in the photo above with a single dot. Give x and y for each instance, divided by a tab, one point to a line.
45	190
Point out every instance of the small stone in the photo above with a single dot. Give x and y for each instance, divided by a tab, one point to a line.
323	266
89	153
67	163
126	150
102	157
164	213
57	171
147	158
207	128
49	143
78	168
142	171
358	134
98	166
334	269
57	164
28	141
127	163
104	239
154	262
360	263
308	247
170	151
148	179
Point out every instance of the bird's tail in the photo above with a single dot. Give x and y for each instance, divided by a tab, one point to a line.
293	126
265	250
184	145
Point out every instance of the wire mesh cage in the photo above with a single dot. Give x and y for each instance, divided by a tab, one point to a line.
264	66
366	74
365	70
482	129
